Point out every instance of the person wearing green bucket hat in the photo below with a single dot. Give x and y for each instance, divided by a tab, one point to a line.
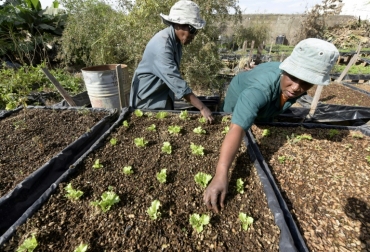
157	80
264	92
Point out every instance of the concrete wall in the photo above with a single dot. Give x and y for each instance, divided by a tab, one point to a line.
288	25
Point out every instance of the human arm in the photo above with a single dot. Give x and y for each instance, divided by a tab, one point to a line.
216	191
204	110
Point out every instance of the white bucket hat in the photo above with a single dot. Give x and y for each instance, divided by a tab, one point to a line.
184	12
311	61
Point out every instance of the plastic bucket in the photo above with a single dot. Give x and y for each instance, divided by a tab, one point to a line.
102	85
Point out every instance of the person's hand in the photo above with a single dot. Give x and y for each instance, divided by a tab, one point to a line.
215	193
206	113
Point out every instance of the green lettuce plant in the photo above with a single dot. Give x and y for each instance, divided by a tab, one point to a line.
72	193
97	164
198	222
127	170
167	148
197	149
125	124
245	220
140	142
202	120
175	129
113	141
304	137
161	115
226	130
153	210
240	186
28	245
108	199
225	119
184	115
199	130
152	128
281	159
81	248
266	132
162	176
357	135
138	113
333	133
202	179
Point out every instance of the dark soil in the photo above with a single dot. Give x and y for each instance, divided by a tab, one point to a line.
61	224
341	95
31	137
325	182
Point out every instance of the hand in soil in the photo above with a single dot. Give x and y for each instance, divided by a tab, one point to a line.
206	113
215	193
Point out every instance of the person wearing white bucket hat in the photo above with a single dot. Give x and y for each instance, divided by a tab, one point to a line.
264	92
157	79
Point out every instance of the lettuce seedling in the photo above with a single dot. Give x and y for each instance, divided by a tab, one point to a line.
281	159
72	193
167	148
113	141
109	198
202	120
333	132
368	159
28	245
357	135
161	115
266	132
240	186
81	248
245	220
202	179
153	210
97	164
162	176
225	119
226	129
140	142
138	113
197	149
152	128
199	130
198	222
125	123
149	114
174	129
304	137
127	170
184	115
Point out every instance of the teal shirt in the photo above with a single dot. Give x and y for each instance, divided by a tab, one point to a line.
255	95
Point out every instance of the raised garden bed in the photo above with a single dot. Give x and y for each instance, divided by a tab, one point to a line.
324	181
61	224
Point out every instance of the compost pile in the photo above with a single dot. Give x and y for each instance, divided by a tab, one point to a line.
62	224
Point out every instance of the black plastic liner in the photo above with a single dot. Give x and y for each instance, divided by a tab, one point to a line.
352	86
28	196
261	164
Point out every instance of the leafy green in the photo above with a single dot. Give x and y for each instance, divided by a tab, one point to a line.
197	149
113	141
281	159
266	132
138	113
152	128
108	199
153	210
357	135
97	164
304	136
226	129
161	115
202	120
174	129
245	220
125	123
81	248
199	130
198	222
333	132
240	186
140	142
127	170
202	179
72	193
162	176
28	245
225	119
184	115
167	148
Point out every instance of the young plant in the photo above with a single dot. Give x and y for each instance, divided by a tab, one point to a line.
202	120
198	222
199	130
81	248
202	179
225	119
162	176
127	170
167	148
97	164
226	129
109	198
184	115
304	137
153	210
357	135
333	133
72	193
281	159
161	115
174	129
368	159
28	245
266	132
125	124
138	113
197	149
245	220
113	141
240	186
149	114
140	142
152	128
